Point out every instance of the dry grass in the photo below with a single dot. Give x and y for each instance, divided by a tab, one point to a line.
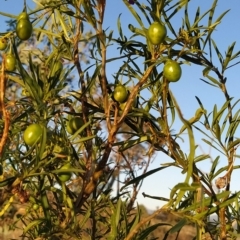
187	233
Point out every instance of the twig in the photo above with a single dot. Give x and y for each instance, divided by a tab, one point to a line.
5	113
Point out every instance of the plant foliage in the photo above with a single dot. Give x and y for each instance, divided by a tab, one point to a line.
62	84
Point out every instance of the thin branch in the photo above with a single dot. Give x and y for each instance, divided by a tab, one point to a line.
5	113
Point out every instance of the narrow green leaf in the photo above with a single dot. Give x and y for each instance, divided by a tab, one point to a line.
134	13
178	226
80	130
213	168
225	121
186	19
17	80
168	23
201	158
113	233
139	178
228	56
213	85
43	142
93	79
206	201
236	55
217	116
120	27
8	15
33	224
220	57
191	145
213	80
233	144
182	187
118	211
198	19
85	218
7	182
217	130
124	145
69	170
84	139
172	108
31	85
89	13
144	234
46	32
137	31
177	7
223	204
211	144
136	220
142	9
212	27
64	26
45	205
213	8
233	126
32	68
206	70
223	169
214	112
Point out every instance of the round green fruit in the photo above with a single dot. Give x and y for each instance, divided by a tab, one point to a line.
24	29
74	124
65	176
157	33
32	134
23	15
69	130
10	62
172	71
35	206
3	44
120	93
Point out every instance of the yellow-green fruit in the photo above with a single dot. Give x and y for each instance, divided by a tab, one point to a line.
3	44
69	130
32	134
24	29
172	71
23	15
35	206
10	62
157	33
65	176
74	124
120	93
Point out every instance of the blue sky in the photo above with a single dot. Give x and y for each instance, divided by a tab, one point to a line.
185	90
